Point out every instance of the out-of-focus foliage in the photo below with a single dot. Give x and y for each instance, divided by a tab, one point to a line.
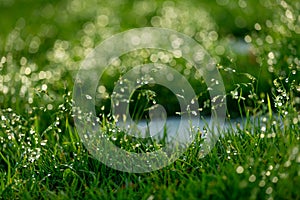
42	43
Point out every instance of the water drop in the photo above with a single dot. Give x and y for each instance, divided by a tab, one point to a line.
88	97
239	169
252	178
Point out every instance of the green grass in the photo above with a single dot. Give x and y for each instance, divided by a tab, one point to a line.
252	163
42	155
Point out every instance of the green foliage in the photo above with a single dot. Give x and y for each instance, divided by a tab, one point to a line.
256	47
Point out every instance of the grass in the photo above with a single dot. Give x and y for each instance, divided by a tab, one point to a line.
250	163
42	155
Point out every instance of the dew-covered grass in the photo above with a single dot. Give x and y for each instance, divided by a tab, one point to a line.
256	47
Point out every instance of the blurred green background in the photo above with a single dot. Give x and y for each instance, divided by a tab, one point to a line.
42	43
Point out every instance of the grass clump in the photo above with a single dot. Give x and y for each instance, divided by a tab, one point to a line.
260	160
41	153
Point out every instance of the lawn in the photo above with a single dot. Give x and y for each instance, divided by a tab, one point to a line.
44	153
